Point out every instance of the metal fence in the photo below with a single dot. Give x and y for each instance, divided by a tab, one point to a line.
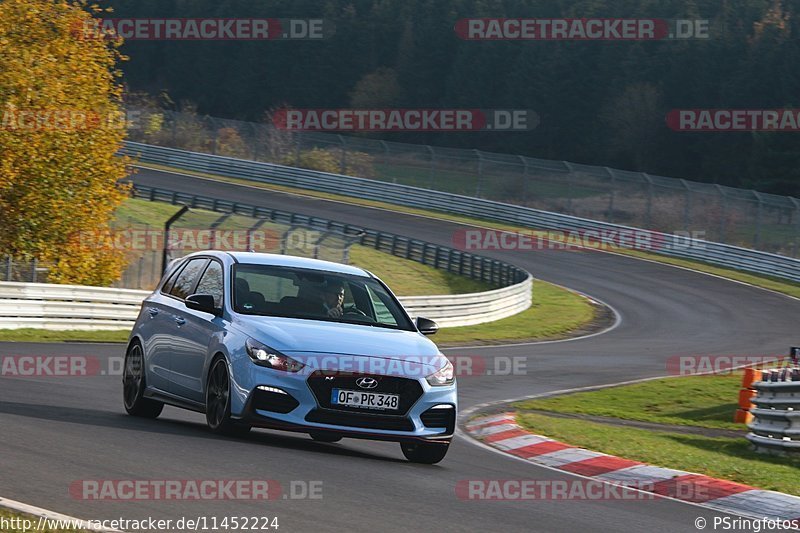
492	271
673	245
30	270
739	217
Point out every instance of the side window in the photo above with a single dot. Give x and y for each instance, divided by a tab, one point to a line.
185	282
171	281
211	283
382	312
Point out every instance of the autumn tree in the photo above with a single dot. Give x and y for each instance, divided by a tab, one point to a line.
60	126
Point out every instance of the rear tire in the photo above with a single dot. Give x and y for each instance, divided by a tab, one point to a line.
423	452
325	437
218	402
133	386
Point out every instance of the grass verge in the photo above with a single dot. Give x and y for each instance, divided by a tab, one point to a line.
406	277
704	401
697	401
555	313
767	282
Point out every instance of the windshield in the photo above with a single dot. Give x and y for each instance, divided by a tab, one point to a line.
315	295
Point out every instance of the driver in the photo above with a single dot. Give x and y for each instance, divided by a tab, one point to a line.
333	298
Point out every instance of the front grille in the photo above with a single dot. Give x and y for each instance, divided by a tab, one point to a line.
440	418
273	401
360	420
322	383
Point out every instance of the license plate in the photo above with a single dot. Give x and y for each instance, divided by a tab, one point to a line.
366	400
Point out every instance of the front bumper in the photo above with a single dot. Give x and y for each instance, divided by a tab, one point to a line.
300	402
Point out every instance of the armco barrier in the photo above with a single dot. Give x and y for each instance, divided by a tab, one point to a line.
674	246
776	419
62	307
75	307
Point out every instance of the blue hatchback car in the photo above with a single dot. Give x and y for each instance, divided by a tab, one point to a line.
281	342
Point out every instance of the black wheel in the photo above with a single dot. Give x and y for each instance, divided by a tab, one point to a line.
423	452
133	385
218	402
325	437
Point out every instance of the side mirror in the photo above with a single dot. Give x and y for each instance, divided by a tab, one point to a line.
204	303
426	326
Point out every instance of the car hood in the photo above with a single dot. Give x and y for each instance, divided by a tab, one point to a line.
294	335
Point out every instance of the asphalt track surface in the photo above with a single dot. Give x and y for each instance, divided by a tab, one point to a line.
55	431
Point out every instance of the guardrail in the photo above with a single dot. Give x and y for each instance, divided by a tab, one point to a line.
670	245
776	419
63	307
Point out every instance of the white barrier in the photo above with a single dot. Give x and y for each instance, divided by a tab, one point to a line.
63	307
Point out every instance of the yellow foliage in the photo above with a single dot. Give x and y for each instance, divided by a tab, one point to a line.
59	132
326	160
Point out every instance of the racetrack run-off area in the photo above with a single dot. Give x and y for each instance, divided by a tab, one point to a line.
57	431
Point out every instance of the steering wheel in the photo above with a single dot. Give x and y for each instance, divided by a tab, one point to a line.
352	310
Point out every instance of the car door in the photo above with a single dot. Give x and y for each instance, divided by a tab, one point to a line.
172	337
155	327
189	358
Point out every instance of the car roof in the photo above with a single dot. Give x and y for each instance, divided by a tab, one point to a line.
255	258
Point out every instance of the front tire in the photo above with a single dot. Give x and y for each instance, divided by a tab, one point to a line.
423	452
133	386
218	402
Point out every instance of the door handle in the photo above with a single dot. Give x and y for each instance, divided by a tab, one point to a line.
180	320
153	311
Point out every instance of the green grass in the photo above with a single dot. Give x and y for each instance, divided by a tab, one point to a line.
409	278
406	277
726	458
7	515
699	401
767	282
43	335
555	312
705	401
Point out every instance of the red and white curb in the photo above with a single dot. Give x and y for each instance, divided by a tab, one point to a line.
503	433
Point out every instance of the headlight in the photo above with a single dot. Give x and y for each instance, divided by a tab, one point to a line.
444	376
263	355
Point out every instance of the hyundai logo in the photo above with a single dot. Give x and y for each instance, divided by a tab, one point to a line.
367	383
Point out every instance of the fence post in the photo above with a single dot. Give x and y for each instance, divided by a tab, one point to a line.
570	173
612	194
480	174
648	212
757	234
524	178
431	165
796	217
723	222
167	224
687	206
343	161
214	134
